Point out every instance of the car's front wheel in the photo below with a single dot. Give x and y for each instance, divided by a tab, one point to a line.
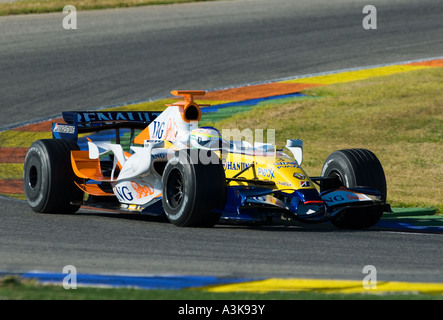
193	190
355	168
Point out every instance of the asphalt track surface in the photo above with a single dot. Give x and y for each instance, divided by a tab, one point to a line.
117	56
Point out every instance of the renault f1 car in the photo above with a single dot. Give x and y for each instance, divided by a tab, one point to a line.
162	163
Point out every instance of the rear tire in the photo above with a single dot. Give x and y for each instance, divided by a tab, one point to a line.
355	168
192	190
48	178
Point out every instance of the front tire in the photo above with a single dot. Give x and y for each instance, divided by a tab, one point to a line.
355	168
193	190
48	178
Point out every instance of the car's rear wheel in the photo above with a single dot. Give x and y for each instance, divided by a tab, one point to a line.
355	168
48	178
193	190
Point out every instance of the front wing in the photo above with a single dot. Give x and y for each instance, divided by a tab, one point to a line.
257	204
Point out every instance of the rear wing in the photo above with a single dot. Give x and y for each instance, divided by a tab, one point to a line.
176	121
92	121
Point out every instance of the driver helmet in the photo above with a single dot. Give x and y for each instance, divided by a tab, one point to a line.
207	138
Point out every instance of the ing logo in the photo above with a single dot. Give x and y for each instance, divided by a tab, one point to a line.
171	130
142	190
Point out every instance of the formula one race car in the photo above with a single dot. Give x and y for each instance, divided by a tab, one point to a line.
162	163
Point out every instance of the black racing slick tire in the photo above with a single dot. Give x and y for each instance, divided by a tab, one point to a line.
355	168
48	178
192	190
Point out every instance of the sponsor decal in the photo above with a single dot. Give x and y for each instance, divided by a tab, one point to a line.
285	163
64	128
171	130
116	116
338	197
287	166
159	156
142	190
266	172
123	193
305	184
165	130
238	166
159	128
133	190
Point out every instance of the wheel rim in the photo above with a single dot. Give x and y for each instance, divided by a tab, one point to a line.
175	189
337	174
32	177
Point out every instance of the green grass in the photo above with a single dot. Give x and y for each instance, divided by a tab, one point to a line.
15	288
399	117
45	6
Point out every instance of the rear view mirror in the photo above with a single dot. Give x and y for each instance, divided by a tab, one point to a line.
296	147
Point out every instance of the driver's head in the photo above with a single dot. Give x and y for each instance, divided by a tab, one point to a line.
207	138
